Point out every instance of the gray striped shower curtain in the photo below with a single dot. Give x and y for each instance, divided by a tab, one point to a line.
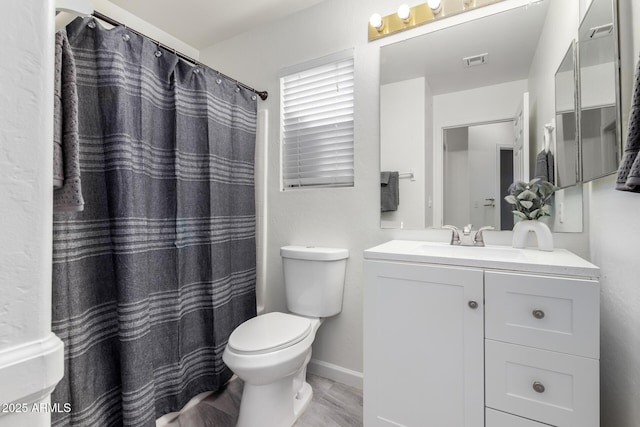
156	272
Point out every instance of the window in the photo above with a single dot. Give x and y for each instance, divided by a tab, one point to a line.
317	123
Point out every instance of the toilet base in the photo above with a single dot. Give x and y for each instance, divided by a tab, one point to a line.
264	405
302	400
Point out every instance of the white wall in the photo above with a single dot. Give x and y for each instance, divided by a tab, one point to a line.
481	105
345	217
402	132
27	369
119	14
560	29
614	236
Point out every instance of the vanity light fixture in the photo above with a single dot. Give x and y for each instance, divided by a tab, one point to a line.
408	17
435	5
376	22
404	12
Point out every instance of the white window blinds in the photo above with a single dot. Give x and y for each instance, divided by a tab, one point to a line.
317	125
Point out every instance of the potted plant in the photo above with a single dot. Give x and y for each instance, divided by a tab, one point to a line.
530	202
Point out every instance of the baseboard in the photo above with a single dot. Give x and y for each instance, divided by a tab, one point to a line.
335	373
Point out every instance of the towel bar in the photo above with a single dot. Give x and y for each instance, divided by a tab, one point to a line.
408	175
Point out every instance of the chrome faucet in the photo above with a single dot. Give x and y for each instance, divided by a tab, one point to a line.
478	239
455	234
467	237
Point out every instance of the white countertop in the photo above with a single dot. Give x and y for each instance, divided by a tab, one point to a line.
493	257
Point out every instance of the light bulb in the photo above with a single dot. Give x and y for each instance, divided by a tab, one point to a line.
403	12
376	21
434	5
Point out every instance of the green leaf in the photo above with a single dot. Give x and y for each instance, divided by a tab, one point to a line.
535	214
546	189
511	199
520	214
520	186
534	181
527	204
546	209
527	195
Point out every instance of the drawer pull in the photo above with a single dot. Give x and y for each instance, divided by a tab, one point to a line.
473	304
538	387
538	314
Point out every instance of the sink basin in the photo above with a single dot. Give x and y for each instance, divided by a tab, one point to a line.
474	252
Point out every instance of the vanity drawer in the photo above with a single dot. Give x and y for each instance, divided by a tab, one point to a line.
500	419
553	388
553	313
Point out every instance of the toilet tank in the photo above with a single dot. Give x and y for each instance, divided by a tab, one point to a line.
314	279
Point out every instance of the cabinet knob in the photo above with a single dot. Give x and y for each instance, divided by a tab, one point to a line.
538	387
538	314
473	304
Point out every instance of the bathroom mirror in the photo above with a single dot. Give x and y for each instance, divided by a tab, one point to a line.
465	76
566	126
600	123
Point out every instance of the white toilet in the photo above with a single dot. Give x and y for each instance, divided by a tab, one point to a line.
270	352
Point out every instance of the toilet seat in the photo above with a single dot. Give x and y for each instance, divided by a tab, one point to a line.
268	333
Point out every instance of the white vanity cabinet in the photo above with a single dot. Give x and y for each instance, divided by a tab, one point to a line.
471	337
423	345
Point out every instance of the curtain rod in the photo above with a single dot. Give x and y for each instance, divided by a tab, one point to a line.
262	94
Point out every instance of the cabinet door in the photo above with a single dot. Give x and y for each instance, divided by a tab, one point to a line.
423	346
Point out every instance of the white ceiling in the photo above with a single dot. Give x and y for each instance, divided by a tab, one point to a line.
202	23
510	38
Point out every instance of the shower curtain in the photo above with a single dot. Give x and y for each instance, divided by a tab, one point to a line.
150	280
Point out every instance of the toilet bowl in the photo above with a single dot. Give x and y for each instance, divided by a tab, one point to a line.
270	352
273	367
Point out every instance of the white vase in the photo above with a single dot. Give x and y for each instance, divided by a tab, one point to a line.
543	234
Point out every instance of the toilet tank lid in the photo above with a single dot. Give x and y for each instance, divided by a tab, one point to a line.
313	253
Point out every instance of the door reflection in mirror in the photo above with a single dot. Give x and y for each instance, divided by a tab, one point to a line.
478	169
